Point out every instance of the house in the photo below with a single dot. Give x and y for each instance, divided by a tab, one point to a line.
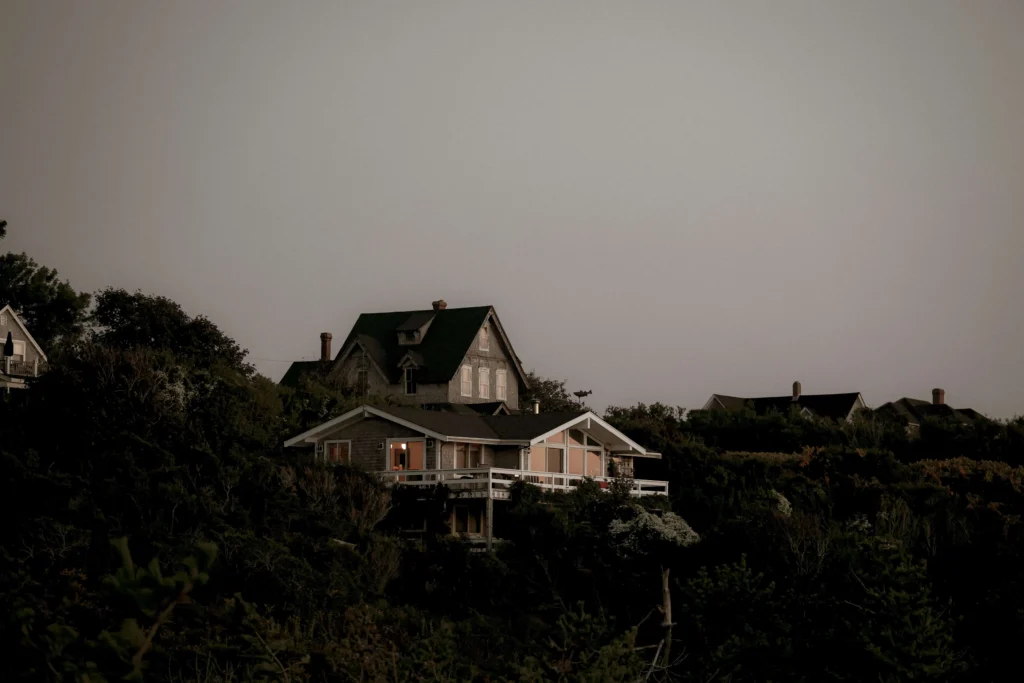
27	359
479	456
441	358
838	407
912	411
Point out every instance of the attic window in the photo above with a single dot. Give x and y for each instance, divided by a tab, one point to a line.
410	381
410	336
484	341
3	319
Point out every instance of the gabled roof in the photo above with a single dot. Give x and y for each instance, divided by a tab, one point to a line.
451	334
24	328
913	411
833	406
515	430
488	408
297	371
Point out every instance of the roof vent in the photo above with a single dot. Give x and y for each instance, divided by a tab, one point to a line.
439	305
536	406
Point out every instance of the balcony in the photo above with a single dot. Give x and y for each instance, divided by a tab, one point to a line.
495	483
21	368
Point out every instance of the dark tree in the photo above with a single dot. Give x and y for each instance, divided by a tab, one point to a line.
51	308
551	393
135	320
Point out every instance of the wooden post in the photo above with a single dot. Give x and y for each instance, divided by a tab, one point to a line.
490	520
666	611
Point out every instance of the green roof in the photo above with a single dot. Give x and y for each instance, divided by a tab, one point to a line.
296	371
450	335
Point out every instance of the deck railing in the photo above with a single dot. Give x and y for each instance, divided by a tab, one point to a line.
495	482
21	368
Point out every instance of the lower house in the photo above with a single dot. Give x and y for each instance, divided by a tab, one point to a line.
838	407
479	456
911	412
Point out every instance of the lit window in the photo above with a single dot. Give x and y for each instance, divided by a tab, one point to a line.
484	341
484	384
500	392
410	381
467	380
19	351
337	452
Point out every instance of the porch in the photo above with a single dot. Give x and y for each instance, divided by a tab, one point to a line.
495	482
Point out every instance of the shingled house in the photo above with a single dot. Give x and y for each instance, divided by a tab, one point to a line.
26	360
912	411
839	407
478	457
458	359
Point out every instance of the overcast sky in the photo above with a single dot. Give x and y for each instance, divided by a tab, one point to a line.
662	200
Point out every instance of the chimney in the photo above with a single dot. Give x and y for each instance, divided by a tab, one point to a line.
536	406
796	391
439	305
325	346
938	397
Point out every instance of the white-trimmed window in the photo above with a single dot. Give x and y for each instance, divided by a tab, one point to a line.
484	339
337	452
19	350
467	380
484	383
500	379
410	381
3	319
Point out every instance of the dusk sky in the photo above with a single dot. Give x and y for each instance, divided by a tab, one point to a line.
662	200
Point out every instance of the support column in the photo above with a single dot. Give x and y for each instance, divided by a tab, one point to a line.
490	522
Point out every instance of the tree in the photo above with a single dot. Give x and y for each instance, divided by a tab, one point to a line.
135	320
3	229
53	311
551	393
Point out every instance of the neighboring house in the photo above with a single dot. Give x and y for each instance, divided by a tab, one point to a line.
839	407
28	360
479	456
912	411
442	358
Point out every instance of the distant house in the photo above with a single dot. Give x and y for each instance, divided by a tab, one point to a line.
28	359
479	457
912	411
454	359
839	407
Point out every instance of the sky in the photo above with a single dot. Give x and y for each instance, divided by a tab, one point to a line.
662	200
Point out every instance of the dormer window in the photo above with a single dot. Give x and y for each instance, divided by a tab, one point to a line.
484	341
410	380
409	336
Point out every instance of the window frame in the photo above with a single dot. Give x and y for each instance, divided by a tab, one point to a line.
409	377
501	387
466	379
483	382
3	319
18	343
348	454
484	343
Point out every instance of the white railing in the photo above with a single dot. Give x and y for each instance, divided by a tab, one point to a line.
495	482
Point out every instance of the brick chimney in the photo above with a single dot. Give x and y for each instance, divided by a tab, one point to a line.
796	391
439	305
325	346
536	406
938	397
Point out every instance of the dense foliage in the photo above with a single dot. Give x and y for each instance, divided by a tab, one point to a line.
155	529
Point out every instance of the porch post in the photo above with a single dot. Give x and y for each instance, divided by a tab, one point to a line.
490	518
